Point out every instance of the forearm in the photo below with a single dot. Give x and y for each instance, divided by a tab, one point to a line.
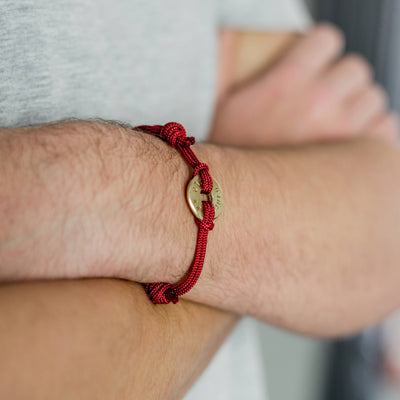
65	190
130	348
307	238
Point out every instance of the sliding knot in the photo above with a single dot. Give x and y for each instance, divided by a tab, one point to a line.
200	167
175	134
161	293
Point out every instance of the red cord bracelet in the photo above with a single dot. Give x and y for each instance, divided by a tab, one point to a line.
205	211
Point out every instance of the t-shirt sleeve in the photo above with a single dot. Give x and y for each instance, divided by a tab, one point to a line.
265	14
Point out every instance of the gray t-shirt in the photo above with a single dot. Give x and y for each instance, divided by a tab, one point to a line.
142	62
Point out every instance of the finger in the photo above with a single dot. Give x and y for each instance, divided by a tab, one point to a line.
348	76
316	50
386	126
364	107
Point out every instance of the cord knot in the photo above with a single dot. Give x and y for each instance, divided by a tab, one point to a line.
175	134
161	293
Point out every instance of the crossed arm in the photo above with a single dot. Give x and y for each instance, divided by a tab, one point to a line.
312	227
370	191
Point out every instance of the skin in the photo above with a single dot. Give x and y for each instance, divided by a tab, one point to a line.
27	302
101	338
298	250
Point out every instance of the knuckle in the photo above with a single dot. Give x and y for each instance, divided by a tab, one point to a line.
330	34
387	127
379	95
316	103
291	72
322	92
393	123
359	65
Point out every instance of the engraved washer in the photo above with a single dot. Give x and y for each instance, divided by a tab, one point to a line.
193	196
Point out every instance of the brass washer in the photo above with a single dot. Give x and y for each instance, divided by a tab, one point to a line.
193	196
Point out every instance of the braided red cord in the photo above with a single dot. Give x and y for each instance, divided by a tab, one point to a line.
175	134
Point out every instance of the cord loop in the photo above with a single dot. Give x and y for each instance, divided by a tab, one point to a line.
175	134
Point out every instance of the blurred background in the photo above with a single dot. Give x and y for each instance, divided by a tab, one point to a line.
367	366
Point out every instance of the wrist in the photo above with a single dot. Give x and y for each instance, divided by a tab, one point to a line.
155	214
168	231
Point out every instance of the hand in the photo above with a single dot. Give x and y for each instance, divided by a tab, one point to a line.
310	95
